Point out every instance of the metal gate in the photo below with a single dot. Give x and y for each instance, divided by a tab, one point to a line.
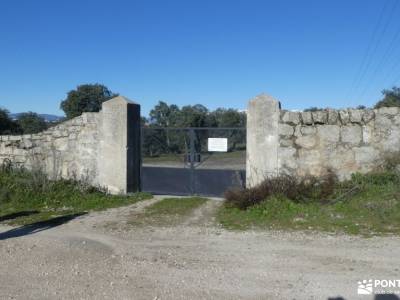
193	161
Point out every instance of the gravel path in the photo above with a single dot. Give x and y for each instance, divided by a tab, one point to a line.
99	256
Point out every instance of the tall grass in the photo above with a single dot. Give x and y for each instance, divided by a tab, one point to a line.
22	190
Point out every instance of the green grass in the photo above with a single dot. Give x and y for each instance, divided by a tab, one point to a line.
169	211
373	210
27	197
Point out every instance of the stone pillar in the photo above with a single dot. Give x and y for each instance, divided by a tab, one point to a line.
262	139
119	153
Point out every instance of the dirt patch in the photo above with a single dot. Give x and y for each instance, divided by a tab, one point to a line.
84	259
168	212
204	215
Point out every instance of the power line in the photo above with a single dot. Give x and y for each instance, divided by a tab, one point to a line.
392	71
359	72
386	53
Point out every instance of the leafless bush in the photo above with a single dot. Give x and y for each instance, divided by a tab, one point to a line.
305	189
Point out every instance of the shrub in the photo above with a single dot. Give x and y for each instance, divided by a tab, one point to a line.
299	190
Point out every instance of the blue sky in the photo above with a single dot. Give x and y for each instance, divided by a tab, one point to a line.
217	53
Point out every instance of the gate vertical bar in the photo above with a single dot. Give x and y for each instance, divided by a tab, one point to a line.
192	158
142	137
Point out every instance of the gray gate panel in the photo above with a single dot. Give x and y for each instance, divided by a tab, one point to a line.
177	161
166	181
214	183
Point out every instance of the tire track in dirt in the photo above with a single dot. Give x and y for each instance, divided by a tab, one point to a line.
204	215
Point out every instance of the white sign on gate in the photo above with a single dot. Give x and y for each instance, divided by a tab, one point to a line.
217	145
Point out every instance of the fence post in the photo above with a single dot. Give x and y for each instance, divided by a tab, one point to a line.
262	139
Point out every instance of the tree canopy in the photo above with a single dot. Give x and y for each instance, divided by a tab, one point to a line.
7	125
194	116
31	122
164	115
390	98
85	98
223	117
158	142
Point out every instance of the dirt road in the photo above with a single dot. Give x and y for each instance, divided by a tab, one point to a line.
98	256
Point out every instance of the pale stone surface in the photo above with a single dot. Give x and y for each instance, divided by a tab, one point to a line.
291	117
320	116
345	141
344	116
308	130
287	161
351	134
56	151
262	139
355	115
286	142
285	130
309	162
306	117
368	115
114	145
390	111
297	131
366	158
396	120
328	134
382	122
341	161
307	141
392	142
367	134
15	138
333	117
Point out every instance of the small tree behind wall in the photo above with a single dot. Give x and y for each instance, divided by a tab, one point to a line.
391	98
85	98
31	122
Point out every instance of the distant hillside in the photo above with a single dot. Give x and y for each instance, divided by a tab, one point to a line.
47	117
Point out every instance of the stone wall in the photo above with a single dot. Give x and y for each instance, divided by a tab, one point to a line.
68	150
342	141
95	148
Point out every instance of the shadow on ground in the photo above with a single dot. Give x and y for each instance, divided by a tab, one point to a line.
38	226
17	215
